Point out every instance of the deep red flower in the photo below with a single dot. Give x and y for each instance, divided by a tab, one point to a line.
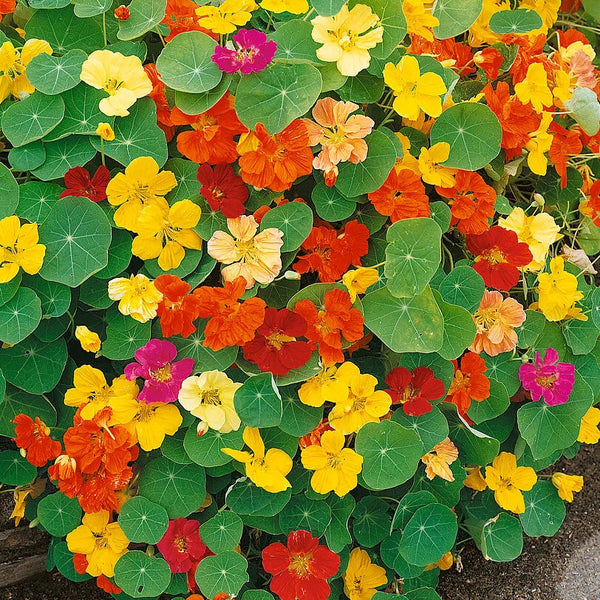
498	256
275	348
223	189
34	437
414	390
181	545
178	309
78	183
300	570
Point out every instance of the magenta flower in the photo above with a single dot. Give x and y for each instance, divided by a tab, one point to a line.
163	376
252	54
181	545
548	379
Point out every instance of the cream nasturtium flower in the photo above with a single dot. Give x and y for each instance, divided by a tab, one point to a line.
123	77
347	38
19	248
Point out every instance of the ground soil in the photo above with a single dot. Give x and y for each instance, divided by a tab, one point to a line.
565	567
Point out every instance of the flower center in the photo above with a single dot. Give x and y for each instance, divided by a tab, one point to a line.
546	381
211	397
494	256
112	85
485	319
300	564
162	374
180	544
460	382
276	340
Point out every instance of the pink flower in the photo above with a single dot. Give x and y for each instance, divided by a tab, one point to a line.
163	376
181	545
253	53
548	379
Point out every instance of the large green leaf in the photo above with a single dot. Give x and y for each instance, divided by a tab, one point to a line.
258	401
91	8
371	523
144	16
15	470
16	402
522	20
544	510
27	157
302	513
224	573
327	8
295	219
63	155
36	198
58	514
244	498
463	286
143	521
223	532
392	18
205	450
455	16
55	74
20	316
431	427
142	576
124	336
459	328
502	538
294	42
211	360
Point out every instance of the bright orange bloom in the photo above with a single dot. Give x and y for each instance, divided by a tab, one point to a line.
180	16
211	138
565	143
7	7
275	161
34	437
590	207
402	196
178	309
163	110
469	383
496	319
471	201
326	327
231	323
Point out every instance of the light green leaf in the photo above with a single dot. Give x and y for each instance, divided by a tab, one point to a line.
455	16
142	576
143	521
20	316
144	16
55	74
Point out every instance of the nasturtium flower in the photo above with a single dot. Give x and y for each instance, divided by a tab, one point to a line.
509	481
150	422
557	291
339	134
105	131
566	485
21	494
79	183
589	433
469	382
539	143
360	403
475	480
223	189
414	92
316	390
539	232
19	248
252	52
357	281
248	254
226	17
296	7
414	389
164	232
178	309
34	437
534	88
496	319
137	296
123	77
265	470
347	38
103	543
438	460
418	19
209	396
182	546
335	467
89	340
142	184
13	65
301	568
162	374
432	171
548	379
362	577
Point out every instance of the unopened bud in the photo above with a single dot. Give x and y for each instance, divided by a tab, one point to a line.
291	275
539	200
201	429
122	12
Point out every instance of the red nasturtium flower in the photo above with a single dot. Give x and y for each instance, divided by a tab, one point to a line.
300	570
178	309
490	60
327	327
231	323
211	138
275	348
565	144
498	256
275	161
469	382
181	545
223	189
34	438
414	390
79	183
122	12
330	253
471	202
402	196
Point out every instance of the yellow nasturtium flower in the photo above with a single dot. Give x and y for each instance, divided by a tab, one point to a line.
296	7
362	577
358	280
557	291
588	431
265	470
123	77
13	65
534	88
418	19
335	467
316	390
19	248
431	170
227	17
89	340
509	481
567	484
103	543
105	131
538	144
347	38
137	296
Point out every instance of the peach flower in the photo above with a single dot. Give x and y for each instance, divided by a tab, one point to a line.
255	257
496	319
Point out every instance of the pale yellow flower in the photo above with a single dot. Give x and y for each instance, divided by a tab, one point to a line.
137	296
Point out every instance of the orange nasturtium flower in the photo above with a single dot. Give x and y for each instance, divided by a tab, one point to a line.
19	248
469	383
438	460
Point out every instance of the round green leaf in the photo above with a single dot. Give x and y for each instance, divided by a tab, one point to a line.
143	521
14	469
337	534
330	204
211	360
408	505
9	188
371	521
431	427
10	288
223	532
455	16
244	498
459	329
124	336
544	510
144	16
258	402
581	336
522	20
205	450
430	533
392	18
302	513
463	286
36	200
502	538
474	447
412	255
295	219
19	402
180	489
91	8
505	368
119	255
27	157
224	573
391	453
94	292
56	74
492	406
362	88
473	132
194	104
58	514
294	42
20	316
63	155
585	109
142	576
64	563
298	418
55	297
531	328
277	95
51	329
185	63
327	8
77	236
